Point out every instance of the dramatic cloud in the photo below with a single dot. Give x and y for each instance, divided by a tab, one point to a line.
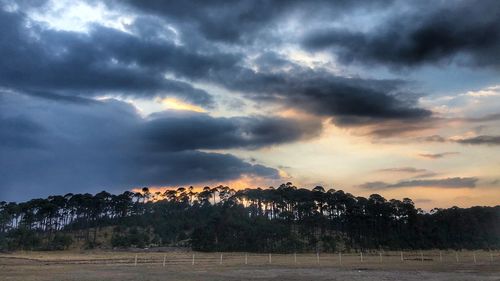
353	101
424	33
106	144
456	182
39	60
437	155
188	130
241	21
487	140
84	86
108	61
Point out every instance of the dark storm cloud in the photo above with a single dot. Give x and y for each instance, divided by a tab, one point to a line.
50	146
19	132
216	20
483	139
36	59
240	21
456	182
349	100
184	131
54	144
352	101
426	32
111	61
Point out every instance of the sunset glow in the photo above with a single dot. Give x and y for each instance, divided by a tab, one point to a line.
175	104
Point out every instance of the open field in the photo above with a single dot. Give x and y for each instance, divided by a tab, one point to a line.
178	265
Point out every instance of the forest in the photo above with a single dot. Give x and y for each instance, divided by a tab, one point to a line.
283	219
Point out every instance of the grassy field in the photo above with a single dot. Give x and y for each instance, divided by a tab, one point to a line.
178	265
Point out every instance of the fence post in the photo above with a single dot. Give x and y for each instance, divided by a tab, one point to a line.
361	255
270	258
295	257
402	258
164	259
340	258
380	255
421	256
440	256
192	262
456	256
220	261
246	258
474	255
491	256
135	260
317	257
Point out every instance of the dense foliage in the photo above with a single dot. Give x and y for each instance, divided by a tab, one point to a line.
282	219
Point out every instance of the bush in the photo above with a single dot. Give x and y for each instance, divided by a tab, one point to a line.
22	238
133	237
61	241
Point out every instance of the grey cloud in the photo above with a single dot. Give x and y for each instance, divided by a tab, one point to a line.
456	182
108	60
480	140
241	21
437	155
404	170
352	101
425	33
37	59
19	132
486	118
420	173
374	185
104	144
188	130
434	138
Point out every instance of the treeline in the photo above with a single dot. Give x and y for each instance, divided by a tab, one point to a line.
283	219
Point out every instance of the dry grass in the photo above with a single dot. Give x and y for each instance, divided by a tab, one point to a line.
113	265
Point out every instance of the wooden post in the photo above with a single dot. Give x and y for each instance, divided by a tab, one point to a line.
421	256
220	261
246	258
456	256
192	262
402	258
317	257
164	259
361	256
295	258
135	260
440	256
491	256
474	255
380	256
340	258
270	258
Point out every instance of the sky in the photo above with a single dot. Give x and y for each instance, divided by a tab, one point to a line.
398	98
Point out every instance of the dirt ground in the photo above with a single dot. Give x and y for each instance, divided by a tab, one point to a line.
95	266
